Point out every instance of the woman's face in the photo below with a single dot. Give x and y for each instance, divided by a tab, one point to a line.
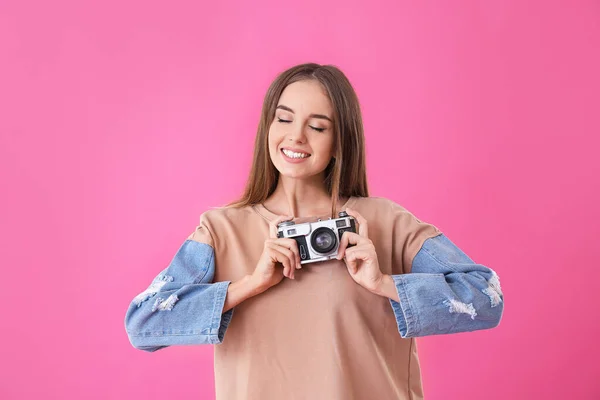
301	135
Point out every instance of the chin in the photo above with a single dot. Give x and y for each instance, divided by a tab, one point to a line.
296	174
293	174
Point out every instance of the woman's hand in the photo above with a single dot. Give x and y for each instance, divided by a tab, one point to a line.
276	250
361	260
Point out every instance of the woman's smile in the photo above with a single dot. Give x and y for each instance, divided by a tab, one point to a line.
294	157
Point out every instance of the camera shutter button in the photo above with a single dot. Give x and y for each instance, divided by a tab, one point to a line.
286	223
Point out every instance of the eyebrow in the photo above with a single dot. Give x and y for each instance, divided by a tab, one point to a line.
321	116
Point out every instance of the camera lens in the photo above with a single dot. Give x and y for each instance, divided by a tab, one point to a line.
323	240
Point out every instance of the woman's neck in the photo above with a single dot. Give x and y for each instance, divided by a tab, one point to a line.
300	198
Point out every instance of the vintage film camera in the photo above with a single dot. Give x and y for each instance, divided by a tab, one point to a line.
317	241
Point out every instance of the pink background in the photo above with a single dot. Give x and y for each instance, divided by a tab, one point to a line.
122	122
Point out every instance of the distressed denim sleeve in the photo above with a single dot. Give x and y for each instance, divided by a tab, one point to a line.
446	292
181	306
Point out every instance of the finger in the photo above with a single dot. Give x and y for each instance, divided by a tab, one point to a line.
285	261
278	253
354	256
276	257
348	238
273	224
293	246
351	262
289	254
358	254
363	228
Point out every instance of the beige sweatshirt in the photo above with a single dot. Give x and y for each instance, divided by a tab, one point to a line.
320	336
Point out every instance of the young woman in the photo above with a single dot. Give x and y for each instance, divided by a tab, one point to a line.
343	328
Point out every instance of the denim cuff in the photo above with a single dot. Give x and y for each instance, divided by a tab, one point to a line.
220	320
406	318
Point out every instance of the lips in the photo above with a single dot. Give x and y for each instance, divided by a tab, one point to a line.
294	154
290	158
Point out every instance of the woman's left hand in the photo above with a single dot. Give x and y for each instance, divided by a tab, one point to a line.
361	259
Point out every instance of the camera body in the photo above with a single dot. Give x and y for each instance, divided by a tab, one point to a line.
320	240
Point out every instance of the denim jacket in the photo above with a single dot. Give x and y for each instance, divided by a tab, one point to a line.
445	292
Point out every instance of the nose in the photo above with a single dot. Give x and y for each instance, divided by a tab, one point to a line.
296	133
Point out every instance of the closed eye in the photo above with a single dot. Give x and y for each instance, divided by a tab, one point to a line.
284	121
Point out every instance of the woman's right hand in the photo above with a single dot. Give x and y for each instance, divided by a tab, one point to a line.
276	250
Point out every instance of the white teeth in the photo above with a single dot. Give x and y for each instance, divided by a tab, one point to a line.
293	154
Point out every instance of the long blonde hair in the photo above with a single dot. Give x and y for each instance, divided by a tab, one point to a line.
351	180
